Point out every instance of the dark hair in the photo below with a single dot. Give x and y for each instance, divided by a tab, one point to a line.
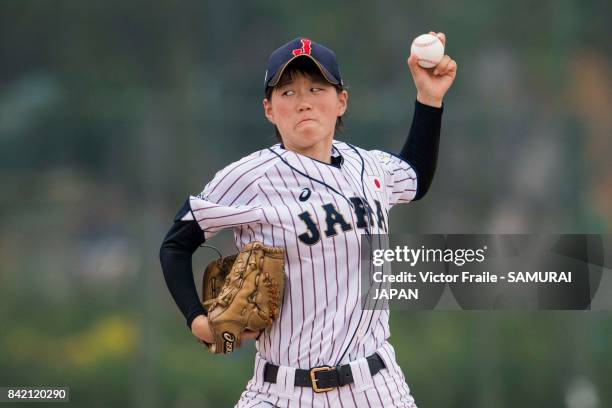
306	67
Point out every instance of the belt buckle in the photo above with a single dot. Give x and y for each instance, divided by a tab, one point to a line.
313	378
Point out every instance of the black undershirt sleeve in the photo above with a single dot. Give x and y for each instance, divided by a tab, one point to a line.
421	147
181	241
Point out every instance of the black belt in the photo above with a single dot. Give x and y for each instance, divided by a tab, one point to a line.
324	378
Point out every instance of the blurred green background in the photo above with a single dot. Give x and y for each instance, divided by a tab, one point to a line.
112	113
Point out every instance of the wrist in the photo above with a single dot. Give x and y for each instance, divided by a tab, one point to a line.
429	100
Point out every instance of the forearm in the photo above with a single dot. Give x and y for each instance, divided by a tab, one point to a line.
175	256
421	147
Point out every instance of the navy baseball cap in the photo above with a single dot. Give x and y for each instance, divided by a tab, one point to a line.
322	56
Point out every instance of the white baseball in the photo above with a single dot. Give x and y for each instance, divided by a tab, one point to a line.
428	49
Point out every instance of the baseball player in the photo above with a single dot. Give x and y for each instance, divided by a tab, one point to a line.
316	197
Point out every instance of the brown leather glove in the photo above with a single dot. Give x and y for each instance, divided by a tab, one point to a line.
243	292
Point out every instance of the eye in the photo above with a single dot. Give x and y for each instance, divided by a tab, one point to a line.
316	89
288	92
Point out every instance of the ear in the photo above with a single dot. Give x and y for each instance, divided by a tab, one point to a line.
267	105
342	102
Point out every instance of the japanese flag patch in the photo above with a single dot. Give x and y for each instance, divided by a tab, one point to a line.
374	182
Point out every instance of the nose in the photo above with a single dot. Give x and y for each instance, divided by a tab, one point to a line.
303	103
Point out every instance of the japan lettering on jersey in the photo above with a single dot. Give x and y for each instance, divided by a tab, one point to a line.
318	213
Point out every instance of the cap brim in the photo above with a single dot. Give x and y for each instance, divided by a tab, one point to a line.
329	77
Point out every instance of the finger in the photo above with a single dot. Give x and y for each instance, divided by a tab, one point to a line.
413	64
442	66
452	68
442	38
250	335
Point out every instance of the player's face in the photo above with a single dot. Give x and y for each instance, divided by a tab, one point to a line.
305	110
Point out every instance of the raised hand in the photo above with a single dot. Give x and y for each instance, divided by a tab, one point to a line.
433	83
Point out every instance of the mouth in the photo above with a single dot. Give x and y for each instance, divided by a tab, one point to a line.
304	121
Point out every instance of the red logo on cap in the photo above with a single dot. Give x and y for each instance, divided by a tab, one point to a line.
305	48
377	183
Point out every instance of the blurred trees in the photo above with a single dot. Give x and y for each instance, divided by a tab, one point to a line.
112	113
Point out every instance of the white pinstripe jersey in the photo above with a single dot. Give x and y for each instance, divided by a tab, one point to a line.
315	211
